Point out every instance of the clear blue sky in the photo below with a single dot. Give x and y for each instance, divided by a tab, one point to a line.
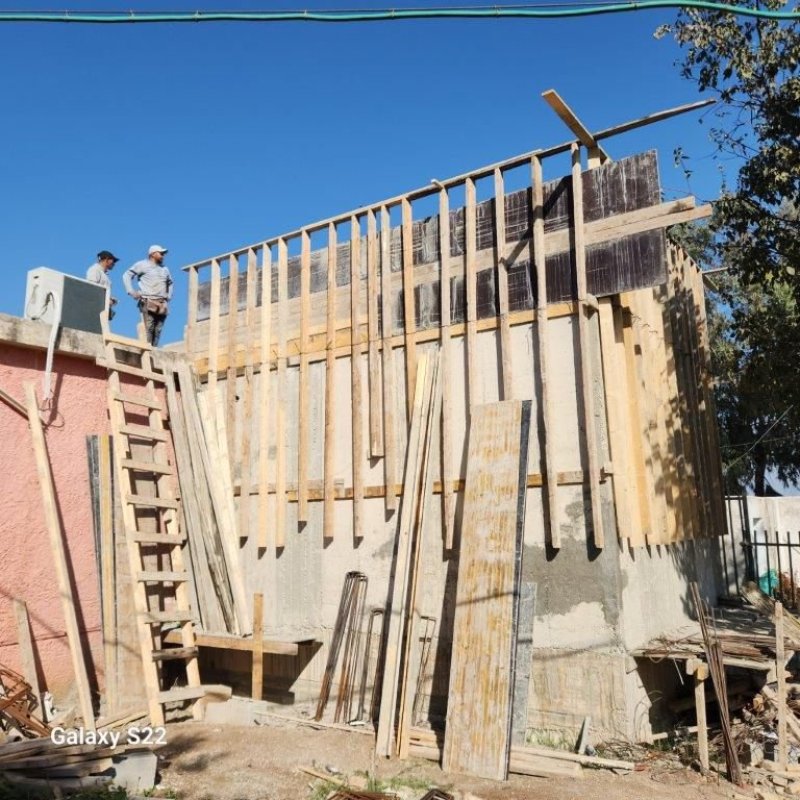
208	137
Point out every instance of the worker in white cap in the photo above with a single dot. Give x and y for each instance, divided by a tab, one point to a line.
154	292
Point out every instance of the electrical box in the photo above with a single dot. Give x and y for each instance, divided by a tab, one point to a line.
52	296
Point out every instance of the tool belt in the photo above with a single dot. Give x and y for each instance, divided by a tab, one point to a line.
154	305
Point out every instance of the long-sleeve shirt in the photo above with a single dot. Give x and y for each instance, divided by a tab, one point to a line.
96	274
154	280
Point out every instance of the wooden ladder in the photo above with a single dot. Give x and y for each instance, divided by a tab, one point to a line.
150	513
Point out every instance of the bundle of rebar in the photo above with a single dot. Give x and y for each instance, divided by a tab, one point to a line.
350	604
352	644
717	670
362	692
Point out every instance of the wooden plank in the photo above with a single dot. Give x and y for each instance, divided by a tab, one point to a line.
780	667
375	381
471	279
409	312
258	646
282	398
27	656
639	467
303	410
411	663
446	367
240	644
231	389
700	707
15	404
356	380
478	732
191	315
570	119
55	536
616	414
396	623
264	398
546	411
329	457
108	574
213	328
247	388
389	399
506	356
587	372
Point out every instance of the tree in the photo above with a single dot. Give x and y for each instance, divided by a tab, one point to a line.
754	234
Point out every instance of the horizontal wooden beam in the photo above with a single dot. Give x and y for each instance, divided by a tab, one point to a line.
223	642
316	491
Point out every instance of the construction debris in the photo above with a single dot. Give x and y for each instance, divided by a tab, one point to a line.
17	703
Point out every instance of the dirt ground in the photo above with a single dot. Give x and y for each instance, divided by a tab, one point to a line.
215	762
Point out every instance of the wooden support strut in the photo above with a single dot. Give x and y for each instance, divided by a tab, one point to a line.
546	413
247	413
587	377
502	286
281	398
470	278
389	399
409	312
330	389
356	380
446	367
304	410
373	336
264	399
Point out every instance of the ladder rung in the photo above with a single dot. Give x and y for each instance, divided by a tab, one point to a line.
156	538
157	617
155	502
138	400
127	341
183	693
144	374
146	466
172	653
162	577
143	432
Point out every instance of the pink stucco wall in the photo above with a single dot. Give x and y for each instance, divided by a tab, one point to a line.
27	569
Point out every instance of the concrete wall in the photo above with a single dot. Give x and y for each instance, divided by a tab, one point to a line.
28	571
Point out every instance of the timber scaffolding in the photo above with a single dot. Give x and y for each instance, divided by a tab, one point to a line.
530	354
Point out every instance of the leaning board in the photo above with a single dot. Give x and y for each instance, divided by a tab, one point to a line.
478	732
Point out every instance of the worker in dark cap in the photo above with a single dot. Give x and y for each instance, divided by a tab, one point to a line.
98	273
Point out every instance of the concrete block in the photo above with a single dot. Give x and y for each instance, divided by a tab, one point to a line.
135	772
236	711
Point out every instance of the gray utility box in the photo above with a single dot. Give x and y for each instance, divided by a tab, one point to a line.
52	295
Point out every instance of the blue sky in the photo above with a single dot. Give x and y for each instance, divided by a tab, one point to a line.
207	137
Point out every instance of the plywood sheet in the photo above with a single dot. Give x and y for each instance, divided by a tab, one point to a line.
478	732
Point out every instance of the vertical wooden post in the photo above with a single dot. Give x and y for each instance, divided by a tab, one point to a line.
356	380
502	285
231	389
446	367
780	665
375	382
247	408
330	389
471	287
587	376
389	432
549	469
191	317
302	438
108	571
59	557
213	330
282	399
264	396
409	310
27	656
258	646
700	672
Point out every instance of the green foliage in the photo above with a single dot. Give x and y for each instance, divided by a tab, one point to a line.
753	66
755	338
754	233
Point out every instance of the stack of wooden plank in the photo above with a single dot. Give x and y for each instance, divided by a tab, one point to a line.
41	763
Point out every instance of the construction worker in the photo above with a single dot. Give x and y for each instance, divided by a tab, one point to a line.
98	273
154	292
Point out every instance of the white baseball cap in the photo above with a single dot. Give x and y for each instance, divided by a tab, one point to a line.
156	248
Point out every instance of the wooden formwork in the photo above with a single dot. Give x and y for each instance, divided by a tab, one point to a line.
375	285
